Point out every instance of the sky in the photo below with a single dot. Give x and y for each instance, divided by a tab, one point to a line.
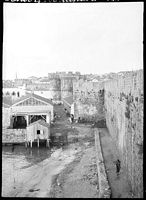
92	38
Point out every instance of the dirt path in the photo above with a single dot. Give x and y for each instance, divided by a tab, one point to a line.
35	181
118	184
79	179
73	165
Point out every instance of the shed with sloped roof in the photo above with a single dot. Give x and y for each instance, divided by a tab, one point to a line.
38	130
29	109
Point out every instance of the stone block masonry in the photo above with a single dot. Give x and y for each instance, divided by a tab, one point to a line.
123	103
119	102
13	136
89	100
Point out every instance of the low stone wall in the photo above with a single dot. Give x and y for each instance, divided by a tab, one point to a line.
13	135
104	189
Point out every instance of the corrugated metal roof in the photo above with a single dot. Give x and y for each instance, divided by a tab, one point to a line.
41	122
31	95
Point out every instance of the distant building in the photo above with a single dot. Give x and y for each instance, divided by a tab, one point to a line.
14	92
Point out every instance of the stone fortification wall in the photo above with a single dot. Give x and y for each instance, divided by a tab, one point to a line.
51	89
124	119
55	88
66	86
89	100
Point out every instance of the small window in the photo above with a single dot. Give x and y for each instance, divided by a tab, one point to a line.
38	132
18	94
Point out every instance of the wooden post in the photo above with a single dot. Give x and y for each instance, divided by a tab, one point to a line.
38	151
48	118
31	143
26	144
47	143
27	120
38	141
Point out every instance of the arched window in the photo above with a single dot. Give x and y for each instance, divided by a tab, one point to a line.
7	93
18	94
13	93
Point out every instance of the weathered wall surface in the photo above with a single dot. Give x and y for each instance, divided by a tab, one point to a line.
66	87
56	88
13	135
88	100
5	117
124	119
51	89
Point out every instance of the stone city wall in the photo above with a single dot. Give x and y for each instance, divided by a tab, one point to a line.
66	87
124	119
88	100
56	88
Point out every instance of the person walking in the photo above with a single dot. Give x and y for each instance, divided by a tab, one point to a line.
118	166
72	118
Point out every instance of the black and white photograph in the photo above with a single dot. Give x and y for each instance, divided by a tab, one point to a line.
72	99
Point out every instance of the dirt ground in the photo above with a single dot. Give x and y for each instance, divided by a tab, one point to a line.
71	182
71	168
79	179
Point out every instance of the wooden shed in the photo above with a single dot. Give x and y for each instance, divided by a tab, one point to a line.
38	130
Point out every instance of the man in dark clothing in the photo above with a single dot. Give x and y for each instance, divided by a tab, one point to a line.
72	118
118	166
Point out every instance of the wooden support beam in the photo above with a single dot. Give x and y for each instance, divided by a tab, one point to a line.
48	143
31	117
43	117
26	144
48	118
27	120
38	142
31	143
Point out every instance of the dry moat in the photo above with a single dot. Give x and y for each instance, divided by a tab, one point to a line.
68	171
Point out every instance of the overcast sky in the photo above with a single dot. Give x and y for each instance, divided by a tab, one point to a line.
87	37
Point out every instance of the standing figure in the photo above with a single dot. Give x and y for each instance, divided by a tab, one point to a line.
72	118
118	166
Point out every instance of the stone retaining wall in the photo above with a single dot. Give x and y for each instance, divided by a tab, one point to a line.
13	135
104	189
